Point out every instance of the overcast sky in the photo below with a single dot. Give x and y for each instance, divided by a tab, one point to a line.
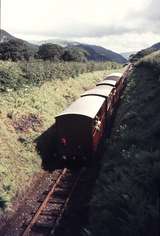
119	25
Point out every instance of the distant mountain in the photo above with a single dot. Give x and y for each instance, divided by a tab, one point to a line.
146	52
155	47
127	54
95	53
63	43
98	53
5	37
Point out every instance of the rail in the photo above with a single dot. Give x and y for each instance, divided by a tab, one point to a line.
46	219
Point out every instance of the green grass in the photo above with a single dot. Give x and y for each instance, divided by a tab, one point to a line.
19	160
126	198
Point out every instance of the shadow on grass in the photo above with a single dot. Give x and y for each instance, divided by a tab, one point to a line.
46	147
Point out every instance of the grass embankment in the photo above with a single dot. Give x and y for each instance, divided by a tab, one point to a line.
127	195
151	61
24	115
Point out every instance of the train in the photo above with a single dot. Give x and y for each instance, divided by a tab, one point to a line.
81	126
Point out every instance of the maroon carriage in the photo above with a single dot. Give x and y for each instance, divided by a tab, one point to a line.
113	96
118	77
109	82
117	81
114	76
76	128
106	91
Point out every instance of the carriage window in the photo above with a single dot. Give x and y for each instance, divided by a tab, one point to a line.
114	92
97	124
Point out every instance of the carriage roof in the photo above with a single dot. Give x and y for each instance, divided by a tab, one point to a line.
113	76
107	82
102	91
86	106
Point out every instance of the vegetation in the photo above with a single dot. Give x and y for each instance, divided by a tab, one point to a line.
75	54
27	112
151	61
15	50
144	52
18	75
54	52
126	198
50	52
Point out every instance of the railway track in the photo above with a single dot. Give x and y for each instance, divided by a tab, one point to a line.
47	217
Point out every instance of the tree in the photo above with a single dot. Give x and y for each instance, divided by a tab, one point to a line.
15	50
50	51
74	54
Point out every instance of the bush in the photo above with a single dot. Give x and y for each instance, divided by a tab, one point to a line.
74	54
21	74
16	50
11	76
50	51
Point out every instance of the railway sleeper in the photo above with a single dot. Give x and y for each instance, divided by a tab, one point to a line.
60	195
52	206
51	213
56	201
64	188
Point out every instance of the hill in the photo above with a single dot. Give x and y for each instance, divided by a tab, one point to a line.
98	53
6	37
94	52
151	61
145	52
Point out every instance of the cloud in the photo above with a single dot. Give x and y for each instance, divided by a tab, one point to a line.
153	12
123	43
84	31
152	17
147	19
124	22
87	18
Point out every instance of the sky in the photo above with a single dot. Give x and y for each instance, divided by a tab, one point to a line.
119	25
